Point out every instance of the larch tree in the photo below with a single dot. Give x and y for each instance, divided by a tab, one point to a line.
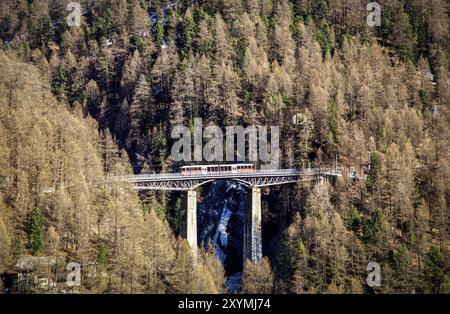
52	242
141	100
257	277
223	47
163	72
132	69
93	97
184	84
232	9
253	7
204	40
139	22
284	49
5	240
256	68
319	234
228	97
206	87
293	260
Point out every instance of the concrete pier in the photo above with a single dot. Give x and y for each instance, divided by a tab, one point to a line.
252	227
191	222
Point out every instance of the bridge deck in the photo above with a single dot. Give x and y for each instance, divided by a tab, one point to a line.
178	181
224	175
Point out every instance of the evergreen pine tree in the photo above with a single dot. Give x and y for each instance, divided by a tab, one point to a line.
36	233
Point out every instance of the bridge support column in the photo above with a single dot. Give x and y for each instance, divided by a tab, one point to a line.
252	227
189	225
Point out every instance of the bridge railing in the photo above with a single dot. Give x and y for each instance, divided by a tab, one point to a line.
155	176
330	171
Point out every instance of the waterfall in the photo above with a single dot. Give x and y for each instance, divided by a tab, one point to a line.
221	224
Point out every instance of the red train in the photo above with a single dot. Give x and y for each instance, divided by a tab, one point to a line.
216	169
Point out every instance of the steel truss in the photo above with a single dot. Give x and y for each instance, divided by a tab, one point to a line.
260	178
186	184
170	185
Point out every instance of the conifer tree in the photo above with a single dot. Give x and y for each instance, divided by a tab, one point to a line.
436	274
36	233
257	277
5	244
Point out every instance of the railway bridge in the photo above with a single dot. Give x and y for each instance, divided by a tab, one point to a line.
254	180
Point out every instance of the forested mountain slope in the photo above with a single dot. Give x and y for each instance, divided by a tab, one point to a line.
375	96
57	199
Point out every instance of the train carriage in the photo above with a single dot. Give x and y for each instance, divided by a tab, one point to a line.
217	169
